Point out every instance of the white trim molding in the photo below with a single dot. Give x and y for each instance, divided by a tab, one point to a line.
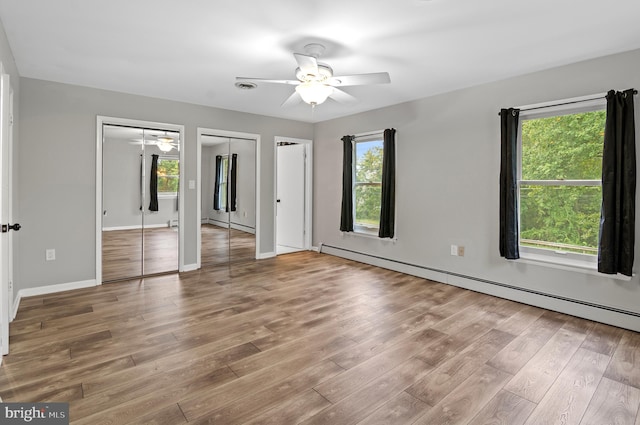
190	267
265	255
201	131
105	120
574	307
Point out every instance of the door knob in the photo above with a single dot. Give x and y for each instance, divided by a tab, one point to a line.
7	227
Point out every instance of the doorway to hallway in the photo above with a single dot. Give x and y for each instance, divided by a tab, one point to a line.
293	195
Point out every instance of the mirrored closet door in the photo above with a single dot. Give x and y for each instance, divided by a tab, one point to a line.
228	173
140	187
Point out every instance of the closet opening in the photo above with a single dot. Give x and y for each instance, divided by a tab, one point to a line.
228	218
139	194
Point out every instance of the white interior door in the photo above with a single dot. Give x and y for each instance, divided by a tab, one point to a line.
5	122
290	196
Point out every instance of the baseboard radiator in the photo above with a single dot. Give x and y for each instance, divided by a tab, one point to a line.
575	307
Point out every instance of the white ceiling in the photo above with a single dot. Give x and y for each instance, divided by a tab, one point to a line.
192	50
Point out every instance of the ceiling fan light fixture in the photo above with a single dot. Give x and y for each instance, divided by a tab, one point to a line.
164	146
314	93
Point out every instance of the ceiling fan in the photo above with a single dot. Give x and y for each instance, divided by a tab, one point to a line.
165	142
316	82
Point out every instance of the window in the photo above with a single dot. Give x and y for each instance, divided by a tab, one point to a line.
168	176
222	180
367	186
560	192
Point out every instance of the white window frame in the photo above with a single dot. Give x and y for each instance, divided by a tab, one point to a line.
169	195
224	182
368	137
560	258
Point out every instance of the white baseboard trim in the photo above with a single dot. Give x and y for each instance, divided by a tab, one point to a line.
49	289
190	267
315	248
218	223
265	255
242	227
135	227
590	311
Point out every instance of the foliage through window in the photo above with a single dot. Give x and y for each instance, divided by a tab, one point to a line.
168	176
367	183
560	184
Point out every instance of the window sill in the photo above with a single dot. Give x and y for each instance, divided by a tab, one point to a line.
167	195
576	265
370	235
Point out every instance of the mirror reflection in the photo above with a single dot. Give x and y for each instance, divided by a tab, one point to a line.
228	200
140	182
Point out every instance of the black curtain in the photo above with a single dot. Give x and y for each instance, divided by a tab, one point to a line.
216	187
617	216
153	185
234	184
508	183
387	204
346	214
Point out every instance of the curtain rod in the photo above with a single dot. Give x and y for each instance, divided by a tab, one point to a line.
372	133
564	102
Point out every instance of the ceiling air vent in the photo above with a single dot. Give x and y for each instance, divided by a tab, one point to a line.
246	85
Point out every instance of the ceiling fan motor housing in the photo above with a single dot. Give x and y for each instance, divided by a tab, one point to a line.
324	73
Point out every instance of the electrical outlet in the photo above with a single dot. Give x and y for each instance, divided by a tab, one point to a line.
454	250
50	254
460	251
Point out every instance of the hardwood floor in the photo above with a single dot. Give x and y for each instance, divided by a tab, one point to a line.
122	252
221	245
307	338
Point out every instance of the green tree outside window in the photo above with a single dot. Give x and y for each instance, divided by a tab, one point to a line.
168	175
554	213
368	183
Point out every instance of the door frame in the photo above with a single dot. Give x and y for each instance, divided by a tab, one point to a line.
308	189
104	120
202	131
6	170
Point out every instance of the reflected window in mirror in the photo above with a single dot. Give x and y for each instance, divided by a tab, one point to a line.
221	184
168	176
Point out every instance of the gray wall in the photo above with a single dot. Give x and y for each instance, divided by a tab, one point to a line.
448	156
208	171
245	215
57	171
121	187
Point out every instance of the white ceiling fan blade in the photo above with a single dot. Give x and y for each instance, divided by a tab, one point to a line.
342	96
266	80
360	79
308	64
294	99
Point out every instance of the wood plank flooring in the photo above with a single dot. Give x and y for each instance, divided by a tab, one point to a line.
307	338
122	250
221	245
